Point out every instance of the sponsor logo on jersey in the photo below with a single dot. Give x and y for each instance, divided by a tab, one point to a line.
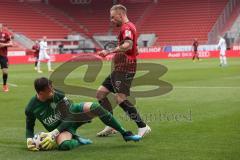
52	119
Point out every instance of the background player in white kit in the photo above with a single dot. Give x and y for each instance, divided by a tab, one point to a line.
223	47
43	55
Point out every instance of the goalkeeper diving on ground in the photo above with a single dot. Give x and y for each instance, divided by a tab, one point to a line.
62	127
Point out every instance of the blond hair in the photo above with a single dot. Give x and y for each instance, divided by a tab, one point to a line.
119	7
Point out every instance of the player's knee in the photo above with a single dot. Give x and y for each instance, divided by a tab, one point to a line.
65	146
100	94
120	98
63	136
5	71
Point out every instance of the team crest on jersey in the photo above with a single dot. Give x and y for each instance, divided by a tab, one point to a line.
117	84
53	105
128	33
2	38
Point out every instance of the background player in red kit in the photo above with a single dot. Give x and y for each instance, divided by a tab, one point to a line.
119	81
5	42
195	49
36	49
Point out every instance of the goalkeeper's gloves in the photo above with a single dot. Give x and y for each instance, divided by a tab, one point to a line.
31	145
49	141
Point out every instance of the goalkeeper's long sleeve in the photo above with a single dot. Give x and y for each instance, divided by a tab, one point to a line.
30	123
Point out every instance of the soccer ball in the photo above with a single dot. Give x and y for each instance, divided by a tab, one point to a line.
37	139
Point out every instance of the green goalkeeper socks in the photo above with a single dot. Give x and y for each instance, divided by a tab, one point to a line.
68	145
106	117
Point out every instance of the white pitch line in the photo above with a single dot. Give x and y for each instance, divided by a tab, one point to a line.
11	84
205	87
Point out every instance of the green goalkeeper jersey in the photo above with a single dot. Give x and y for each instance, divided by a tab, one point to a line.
45	112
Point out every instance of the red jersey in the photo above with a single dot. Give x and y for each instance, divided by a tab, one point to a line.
195	45
126	62
36	49
4	38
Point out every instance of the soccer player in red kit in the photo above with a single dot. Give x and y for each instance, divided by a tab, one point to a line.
125	64
195	49
36	49
5	42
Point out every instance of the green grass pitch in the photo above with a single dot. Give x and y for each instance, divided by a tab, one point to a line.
198	119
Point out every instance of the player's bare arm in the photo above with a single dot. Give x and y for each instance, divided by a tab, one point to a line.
127	45
9	44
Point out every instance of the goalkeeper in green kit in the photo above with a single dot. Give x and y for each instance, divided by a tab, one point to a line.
62	128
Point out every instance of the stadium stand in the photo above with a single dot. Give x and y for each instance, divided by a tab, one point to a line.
179	21
20	17
173	21
233	17
93	16
97	19
59	16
